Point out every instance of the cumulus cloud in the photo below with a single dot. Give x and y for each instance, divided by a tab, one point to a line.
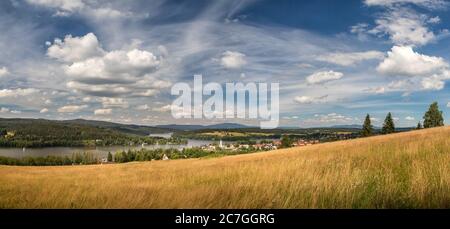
433	83
73	49
409	118
324	76
350	58
114	103
72	108
148	93
4	71
233	60
309	99
114	65
161	84
17	92
403	61
43	110
103	112
95	71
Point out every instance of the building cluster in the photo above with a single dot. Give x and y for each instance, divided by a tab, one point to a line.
302	142
272	145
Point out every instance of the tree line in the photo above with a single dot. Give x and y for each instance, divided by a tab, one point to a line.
432	118
85	158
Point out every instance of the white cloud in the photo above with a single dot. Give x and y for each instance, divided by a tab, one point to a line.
309	100
90	9
303	99
432	83
4	71
161	84
331	118
4	110
233	60
7	110
48	102
44	110
165	108
71	108
65	5
114	64
432	4
404	27
322	77
434	20
350	58
148	93
97	72
360	30
403	61
17	92
114	102
377	90
73	49
143	107
409	118
103	111
87	99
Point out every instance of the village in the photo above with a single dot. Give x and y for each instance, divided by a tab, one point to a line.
262	145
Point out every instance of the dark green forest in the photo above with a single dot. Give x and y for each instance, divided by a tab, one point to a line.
47	133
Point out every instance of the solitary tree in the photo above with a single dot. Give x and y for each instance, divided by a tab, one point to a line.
419	126
286	141
110	157
433	117
367	129
388	126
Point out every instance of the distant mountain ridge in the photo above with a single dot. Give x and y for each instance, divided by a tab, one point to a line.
204	127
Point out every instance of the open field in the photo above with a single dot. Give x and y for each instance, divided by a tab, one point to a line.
405	170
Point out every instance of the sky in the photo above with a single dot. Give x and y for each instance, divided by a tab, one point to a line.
116	61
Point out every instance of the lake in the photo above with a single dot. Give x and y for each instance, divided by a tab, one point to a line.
101	151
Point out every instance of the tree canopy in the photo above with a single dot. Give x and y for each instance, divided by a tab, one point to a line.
433	117
367	129
388	126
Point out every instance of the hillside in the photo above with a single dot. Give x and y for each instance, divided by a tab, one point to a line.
405	170
79	132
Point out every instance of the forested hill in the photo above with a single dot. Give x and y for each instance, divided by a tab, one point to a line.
124	128
41	132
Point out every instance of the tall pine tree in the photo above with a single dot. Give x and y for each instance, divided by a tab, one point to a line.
433	117
388	126
419	126
367	129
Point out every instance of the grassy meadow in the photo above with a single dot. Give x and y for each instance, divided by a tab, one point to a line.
404	170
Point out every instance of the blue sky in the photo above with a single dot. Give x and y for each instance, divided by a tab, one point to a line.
117	60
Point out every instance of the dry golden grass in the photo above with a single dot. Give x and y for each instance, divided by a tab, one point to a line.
406	170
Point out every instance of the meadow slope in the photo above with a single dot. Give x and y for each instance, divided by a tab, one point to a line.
405	170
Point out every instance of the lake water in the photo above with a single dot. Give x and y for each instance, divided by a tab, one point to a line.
100	152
